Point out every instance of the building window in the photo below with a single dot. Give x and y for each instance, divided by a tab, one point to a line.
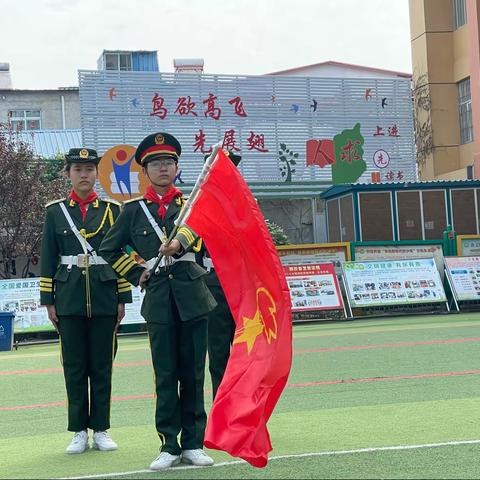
118	61
459	13
465	111
25	119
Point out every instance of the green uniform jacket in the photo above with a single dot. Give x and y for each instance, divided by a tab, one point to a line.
68	289
184	280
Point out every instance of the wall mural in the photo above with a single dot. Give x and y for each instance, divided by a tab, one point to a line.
287	129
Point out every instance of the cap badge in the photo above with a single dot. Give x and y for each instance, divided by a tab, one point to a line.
83	153
159	140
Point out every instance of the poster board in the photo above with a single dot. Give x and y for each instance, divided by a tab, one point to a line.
22	297
468	245
464	276
399	252
393	282
313	287
315	253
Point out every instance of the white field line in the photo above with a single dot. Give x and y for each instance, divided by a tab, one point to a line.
299	455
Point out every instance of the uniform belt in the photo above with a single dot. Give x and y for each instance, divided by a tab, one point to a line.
207	263
188	257
82	260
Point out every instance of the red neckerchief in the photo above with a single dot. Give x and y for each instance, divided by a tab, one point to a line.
83	203
163	201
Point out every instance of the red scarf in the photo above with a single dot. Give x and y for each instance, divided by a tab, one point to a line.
162	202
83	203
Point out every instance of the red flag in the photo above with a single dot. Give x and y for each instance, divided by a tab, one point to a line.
226	216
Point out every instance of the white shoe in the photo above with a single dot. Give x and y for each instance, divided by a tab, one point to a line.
103	442
79	443
197	457
165	460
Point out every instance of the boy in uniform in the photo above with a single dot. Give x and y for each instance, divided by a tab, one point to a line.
176	302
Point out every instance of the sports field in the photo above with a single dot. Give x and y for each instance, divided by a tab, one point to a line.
393	397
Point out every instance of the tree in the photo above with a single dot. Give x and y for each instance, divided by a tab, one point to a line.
279	237
27	183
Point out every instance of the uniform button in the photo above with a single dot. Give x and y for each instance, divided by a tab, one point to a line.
64	232
170	276
83	272
144	232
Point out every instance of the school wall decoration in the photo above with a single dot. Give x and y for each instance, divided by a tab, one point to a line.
287	129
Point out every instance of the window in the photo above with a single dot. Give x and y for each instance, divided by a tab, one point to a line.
118	61
409	216
464	211
459	13
465	111
25	119
375	216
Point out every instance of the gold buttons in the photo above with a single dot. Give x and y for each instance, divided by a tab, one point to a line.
144	232
83	272
170	276
64	232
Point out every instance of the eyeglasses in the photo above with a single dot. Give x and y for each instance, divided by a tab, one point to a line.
165	162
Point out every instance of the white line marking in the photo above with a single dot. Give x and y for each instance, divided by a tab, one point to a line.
299	455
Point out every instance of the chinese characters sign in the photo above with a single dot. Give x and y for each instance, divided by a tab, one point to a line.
334	131
393	282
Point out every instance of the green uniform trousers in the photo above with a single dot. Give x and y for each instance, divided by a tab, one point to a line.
221	329
88	347
178	351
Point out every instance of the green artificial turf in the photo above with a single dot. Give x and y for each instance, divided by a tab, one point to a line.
370	383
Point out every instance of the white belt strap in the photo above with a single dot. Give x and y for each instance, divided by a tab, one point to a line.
82	260
86	247
188	257
152	221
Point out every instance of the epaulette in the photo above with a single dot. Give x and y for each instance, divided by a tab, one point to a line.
136	199
53	202
110	200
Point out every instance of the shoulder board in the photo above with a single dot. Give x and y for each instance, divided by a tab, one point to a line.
110	200
53	202
133	200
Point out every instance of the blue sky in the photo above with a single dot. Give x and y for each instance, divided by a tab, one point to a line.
47	41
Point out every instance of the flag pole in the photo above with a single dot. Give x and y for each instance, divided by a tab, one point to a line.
188	204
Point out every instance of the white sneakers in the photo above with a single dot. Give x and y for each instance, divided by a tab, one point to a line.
79	443
195	457
165	460
101	441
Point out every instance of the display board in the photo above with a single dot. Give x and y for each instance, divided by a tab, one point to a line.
383	283
315	253
313	287
464	276
468	245
399	252
22	297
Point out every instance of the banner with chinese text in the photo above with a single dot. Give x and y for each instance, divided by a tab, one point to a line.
396	282
400	252
287	128
315	253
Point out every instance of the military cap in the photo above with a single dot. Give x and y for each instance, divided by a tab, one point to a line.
235	158
82	155
158	145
